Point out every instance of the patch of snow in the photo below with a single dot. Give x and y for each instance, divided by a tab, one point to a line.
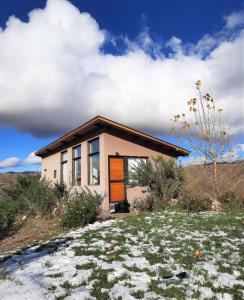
210	268
206	293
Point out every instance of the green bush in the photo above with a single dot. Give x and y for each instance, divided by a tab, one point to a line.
194	203
61	190
149	203
33	194
81	209
163	180
30	195
39	196
8	212
230	201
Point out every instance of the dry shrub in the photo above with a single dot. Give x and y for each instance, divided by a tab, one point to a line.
230	201
199	179
194	203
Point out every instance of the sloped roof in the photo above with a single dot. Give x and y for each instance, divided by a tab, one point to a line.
99	120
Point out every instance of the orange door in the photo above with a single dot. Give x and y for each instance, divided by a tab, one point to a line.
116	179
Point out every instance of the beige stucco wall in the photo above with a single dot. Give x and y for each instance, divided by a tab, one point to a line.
109	145
53	162
125	148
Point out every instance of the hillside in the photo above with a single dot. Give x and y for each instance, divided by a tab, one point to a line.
231	178
8	179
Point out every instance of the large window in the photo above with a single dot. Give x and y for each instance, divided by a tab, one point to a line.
76	170
132	164
64	165
93	162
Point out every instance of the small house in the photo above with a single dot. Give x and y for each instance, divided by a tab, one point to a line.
101	154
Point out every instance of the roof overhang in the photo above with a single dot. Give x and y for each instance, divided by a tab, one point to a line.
100	123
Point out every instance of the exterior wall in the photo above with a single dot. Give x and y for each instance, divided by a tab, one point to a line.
114	144
49	164
109	145
53	162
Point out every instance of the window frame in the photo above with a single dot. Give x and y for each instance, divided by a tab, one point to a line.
127	158
74	159
90	155
63	162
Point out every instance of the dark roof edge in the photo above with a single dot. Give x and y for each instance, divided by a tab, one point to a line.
183	151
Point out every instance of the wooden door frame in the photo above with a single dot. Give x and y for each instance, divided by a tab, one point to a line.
125	190
125	171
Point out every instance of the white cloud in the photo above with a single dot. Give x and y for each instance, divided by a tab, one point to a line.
197	160
235	19
241	147
235	153
31	159
10	162
54	74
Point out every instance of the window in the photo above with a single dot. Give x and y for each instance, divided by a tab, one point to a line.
76	165
64	164
93	163
55	174
132	164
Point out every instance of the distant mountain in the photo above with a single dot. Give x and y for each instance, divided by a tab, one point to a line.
9	178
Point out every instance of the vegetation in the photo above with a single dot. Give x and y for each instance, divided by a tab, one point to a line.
81	208
230	178
162	179
194	203
147	249
53	207
230	201
8	212
32	196
205	130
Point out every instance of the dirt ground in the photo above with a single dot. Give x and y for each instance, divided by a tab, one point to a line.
32	231
36	229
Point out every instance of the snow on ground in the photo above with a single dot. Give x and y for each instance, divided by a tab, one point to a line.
144	249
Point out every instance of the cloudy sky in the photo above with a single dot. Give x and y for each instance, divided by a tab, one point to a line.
136	62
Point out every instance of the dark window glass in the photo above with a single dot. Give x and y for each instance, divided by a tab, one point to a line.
64	165
76	170
94	163
77	152
94	146
64	156
132	164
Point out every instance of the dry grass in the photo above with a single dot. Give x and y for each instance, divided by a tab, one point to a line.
231	178
33	230
38	228
8	179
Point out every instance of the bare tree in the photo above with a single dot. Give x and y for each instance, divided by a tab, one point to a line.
204	129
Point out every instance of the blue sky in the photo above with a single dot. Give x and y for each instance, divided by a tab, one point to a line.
61	66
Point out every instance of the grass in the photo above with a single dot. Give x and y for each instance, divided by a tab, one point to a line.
56	275
147	248
86	266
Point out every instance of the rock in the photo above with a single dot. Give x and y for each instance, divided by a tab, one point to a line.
109	247
216	206
24	218
112	257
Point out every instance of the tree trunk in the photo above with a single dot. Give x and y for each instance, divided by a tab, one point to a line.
216	184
